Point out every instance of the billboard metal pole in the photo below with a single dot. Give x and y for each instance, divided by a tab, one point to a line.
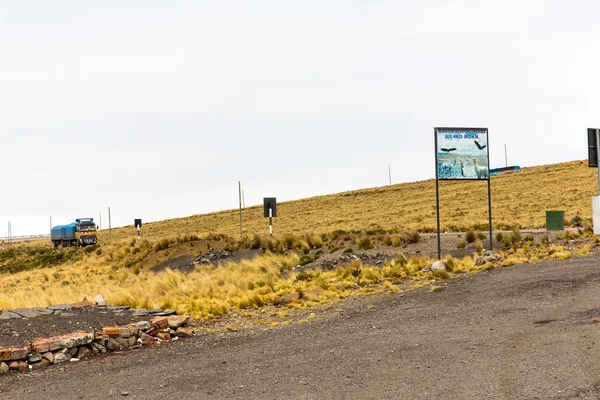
240	193
489	179
437	195
598	154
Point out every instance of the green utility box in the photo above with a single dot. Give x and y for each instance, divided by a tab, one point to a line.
555	220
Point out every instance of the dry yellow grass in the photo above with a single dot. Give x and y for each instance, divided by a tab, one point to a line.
518	199
116	269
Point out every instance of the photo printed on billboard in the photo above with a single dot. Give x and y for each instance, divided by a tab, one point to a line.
462	153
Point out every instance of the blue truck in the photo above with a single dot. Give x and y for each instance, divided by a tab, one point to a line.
82	232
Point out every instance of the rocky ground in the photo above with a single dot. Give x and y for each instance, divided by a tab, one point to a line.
20	326
523	332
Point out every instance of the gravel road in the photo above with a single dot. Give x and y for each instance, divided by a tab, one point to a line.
524	332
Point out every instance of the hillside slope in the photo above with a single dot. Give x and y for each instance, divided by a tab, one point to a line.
518	199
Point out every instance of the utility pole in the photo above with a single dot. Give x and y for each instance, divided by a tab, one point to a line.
390	174
109	226
9	232
505	157
100	224
240	193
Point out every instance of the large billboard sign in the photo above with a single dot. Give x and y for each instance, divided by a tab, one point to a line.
462	153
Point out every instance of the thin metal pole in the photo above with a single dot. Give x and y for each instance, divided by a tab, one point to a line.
109	226
598	153
489	179
390	174
240	193
270	222
437	196
505	157
100	224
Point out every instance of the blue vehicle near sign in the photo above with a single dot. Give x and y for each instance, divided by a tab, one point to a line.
82	232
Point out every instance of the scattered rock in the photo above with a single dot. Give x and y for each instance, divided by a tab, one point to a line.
160	322
175	321
31	312
4	368
60	307
439	265
34	357
211	256
183	332
8	315
490	256
143	326
83	352
48	356
344	259
82	304
40	364
62	356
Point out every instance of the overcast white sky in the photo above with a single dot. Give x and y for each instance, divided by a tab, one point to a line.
158	108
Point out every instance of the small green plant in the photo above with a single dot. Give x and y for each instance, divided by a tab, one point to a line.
479	247
306	259
471	236
356	272
364	243
499	237
461	245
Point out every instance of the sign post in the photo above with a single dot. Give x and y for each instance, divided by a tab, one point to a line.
270	211
138	224
593	162
461	154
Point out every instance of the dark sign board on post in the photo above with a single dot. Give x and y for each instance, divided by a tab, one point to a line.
592	147
138	223
270	203
270	211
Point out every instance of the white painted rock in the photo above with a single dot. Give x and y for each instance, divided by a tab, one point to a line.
438	266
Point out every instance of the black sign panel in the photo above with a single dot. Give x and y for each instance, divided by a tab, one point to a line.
138	223
592	147
270	203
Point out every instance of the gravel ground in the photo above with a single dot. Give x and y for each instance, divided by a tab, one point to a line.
524	332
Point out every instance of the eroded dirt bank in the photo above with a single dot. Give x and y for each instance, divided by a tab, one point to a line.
530	331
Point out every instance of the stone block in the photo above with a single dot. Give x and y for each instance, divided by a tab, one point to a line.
175	321
75	339
18	366
73	351
124	332
146	339
19	353
62	356
9	315
160	322
83	352
131	341
48	356
183	332
60	307
143	326
111	331
82	304
4	354
40	364
4	368
34	357
163	336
